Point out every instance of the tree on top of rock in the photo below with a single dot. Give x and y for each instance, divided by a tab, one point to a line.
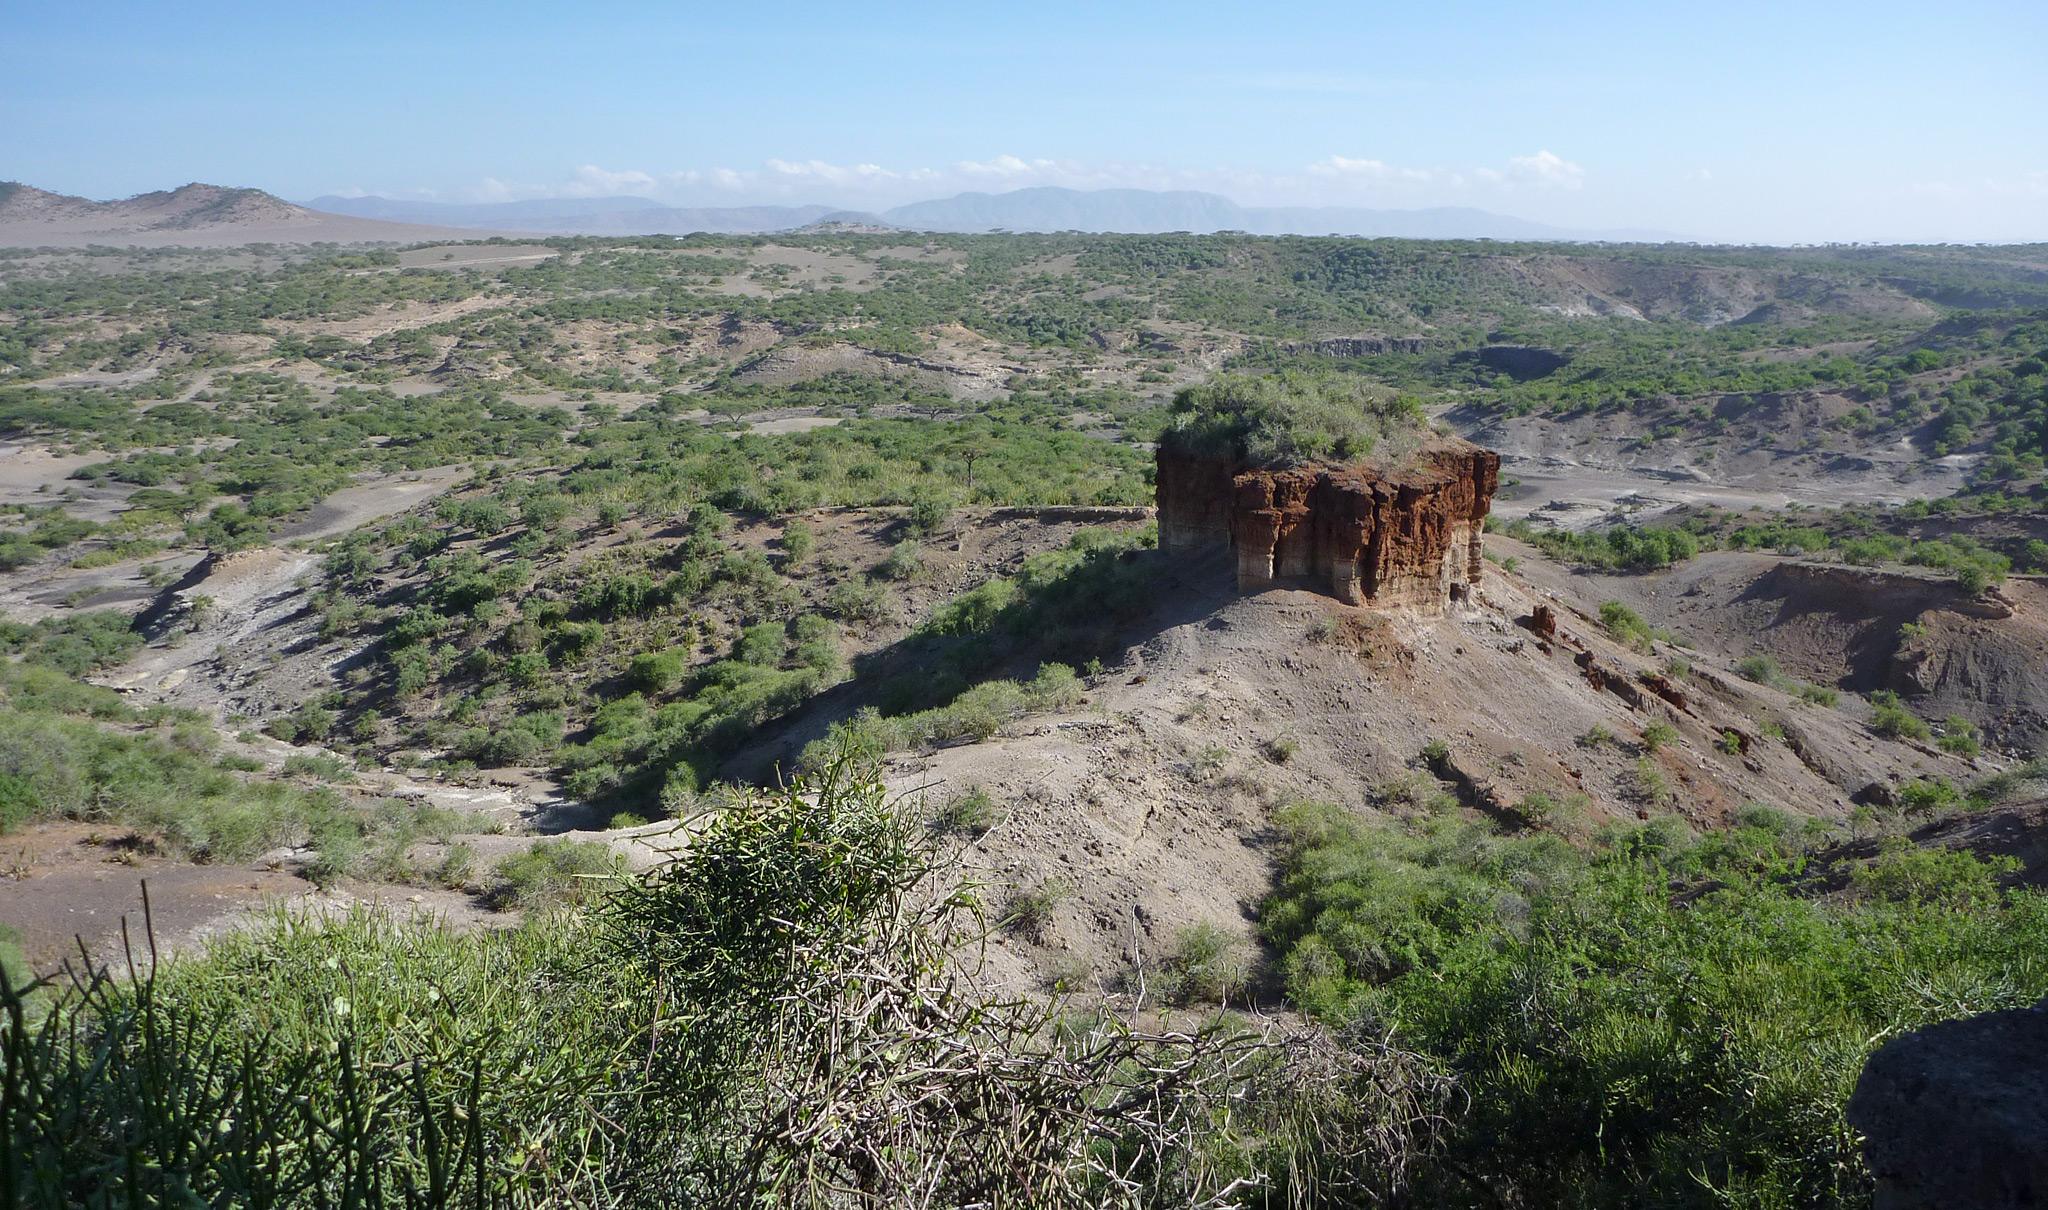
1287	419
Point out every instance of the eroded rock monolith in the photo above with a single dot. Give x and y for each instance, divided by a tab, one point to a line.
1406	534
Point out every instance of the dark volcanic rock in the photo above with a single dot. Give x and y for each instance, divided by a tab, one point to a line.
1522	362
1342	347
1956	1115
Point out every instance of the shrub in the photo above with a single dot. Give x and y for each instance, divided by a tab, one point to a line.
971	814
524	740
319	766
1890	718
1658	734
1948	879
1536	807
974	611
861	601
457	866
1206	965
1927	795
656	671
1959	736
927	512
903	562
1287	419
797	541
526	669
1818	695
760	645
1645	783
1627	626
1618	1040
1760	668
1029	910
554	872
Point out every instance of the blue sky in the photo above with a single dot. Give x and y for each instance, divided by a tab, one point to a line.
1767	122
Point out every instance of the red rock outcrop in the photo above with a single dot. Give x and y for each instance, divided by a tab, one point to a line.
1402	536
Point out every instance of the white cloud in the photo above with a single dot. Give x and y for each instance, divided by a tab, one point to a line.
1546	168
1335	179
1006	166
592	181
831	174
1372	170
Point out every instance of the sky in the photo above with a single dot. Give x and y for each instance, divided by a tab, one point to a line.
1783	122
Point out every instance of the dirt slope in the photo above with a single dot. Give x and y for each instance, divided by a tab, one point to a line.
1151	807
1858	629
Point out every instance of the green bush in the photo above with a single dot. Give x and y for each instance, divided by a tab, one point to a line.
904	561
59	760
1926	796
761	645
1625	1046
1205	966
656	671
974	715
1959	736
554	872
1762	669
797	541
1818	695
861	601
928	511
1627	626
1890	718
970	814
1287	419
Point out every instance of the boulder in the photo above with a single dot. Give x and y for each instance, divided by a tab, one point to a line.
1956	1115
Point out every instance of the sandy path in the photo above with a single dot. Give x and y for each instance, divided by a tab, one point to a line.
372	499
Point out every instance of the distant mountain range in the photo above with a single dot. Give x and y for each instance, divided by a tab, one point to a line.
199	214
191	215
1041	209
584	216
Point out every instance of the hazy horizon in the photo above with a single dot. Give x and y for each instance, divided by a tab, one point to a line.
1753	124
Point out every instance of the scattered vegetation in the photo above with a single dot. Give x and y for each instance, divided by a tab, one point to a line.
1627	626
1890	718
1287	419
654	1048
1622	1044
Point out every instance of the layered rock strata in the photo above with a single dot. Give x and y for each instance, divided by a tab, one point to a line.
1407	536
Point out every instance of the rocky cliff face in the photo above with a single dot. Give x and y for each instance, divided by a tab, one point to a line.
1407	536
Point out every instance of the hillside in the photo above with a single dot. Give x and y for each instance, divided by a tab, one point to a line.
195	215
1528	697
